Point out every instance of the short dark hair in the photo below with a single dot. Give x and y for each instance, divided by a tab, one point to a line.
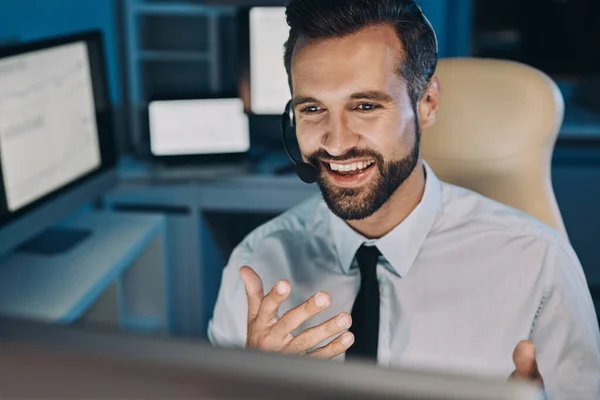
322	19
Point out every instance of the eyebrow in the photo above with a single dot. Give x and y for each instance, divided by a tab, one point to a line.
373	95
299	100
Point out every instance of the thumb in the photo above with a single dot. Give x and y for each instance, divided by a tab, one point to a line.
525	361
254	291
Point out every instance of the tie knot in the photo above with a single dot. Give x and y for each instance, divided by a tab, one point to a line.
367	256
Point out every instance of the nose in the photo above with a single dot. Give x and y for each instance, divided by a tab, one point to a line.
339	136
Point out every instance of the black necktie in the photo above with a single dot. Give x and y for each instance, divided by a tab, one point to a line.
365	312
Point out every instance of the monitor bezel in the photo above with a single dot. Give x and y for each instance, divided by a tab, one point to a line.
126	358
94	41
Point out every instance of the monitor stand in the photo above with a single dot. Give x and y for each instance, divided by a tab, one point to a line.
55	240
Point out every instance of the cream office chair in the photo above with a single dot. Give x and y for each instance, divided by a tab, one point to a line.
495	133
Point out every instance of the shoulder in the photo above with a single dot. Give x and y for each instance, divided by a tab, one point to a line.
504	239
290	228
462	207
504	232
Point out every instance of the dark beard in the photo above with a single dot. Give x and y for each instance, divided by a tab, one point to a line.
360	203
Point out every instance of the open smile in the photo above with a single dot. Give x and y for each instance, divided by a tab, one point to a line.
351	173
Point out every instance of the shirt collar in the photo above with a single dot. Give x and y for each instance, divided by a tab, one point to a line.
400	246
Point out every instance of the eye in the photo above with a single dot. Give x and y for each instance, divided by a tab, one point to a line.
310	109
367	107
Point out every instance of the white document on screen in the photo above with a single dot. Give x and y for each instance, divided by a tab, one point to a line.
48	132
203	126
268	79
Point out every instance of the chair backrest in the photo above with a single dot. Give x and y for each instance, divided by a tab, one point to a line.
496	129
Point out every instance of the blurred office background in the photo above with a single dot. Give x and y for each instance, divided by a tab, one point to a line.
167	227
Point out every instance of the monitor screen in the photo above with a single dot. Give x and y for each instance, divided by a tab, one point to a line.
269	89
198	127
48	128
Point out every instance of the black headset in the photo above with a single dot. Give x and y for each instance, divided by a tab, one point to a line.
305	171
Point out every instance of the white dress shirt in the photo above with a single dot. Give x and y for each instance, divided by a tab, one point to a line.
463	279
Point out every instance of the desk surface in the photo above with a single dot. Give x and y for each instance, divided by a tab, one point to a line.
60	288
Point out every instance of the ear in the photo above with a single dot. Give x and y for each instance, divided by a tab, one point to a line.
429	103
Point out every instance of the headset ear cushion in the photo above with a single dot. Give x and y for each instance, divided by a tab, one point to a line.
285	124
291	140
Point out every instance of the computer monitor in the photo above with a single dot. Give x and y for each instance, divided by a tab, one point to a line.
57	148
40	361
198	127
263	78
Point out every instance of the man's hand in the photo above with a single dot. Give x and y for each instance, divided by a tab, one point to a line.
267	331
526	367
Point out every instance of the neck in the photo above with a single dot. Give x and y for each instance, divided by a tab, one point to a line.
399	206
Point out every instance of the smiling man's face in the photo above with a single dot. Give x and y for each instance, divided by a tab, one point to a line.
354	118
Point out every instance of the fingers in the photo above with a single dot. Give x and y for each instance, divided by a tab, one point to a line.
269	307
266	331
313	336
337	346
524	358
254	291
291	320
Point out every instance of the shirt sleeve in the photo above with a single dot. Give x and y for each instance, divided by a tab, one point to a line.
566	331
228	326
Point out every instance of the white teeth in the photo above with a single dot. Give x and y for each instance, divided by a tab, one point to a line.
351	167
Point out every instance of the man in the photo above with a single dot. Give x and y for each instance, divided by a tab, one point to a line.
390	263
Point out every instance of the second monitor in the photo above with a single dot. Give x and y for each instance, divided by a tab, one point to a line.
263	78
187	127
